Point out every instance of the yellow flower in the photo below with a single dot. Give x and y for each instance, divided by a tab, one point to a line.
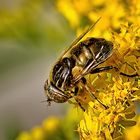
37	133
82	6
83	12
117	92
41	132
69	12
55	128
102	123
50	124
24	136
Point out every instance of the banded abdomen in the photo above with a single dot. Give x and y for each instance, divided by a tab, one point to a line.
90	53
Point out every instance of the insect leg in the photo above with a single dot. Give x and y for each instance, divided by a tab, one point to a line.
80	105
75	93
128	75
91	93
102	69
124	74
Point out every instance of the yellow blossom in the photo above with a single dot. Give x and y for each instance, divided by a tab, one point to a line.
72	16
87	11
102	123
50	124
24	136
117	92
37	133
41	132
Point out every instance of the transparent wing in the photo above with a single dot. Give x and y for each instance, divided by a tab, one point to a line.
79	38
93	63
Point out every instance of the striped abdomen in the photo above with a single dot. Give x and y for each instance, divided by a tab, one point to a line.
91	52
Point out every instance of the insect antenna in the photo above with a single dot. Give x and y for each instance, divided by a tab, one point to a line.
43	101
46	101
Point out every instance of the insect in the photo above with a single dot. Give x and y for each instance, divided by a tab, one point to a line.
80	59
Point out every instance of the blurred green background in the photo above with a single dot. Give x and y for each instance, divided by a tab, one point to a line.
32	35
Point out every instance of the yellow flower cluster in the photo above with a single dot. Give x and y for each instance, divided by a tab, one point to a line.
42	132
55	128
112	13
101	123
116	89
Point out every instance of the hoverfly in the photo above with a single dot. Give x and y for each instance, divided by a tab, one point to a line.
80	59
